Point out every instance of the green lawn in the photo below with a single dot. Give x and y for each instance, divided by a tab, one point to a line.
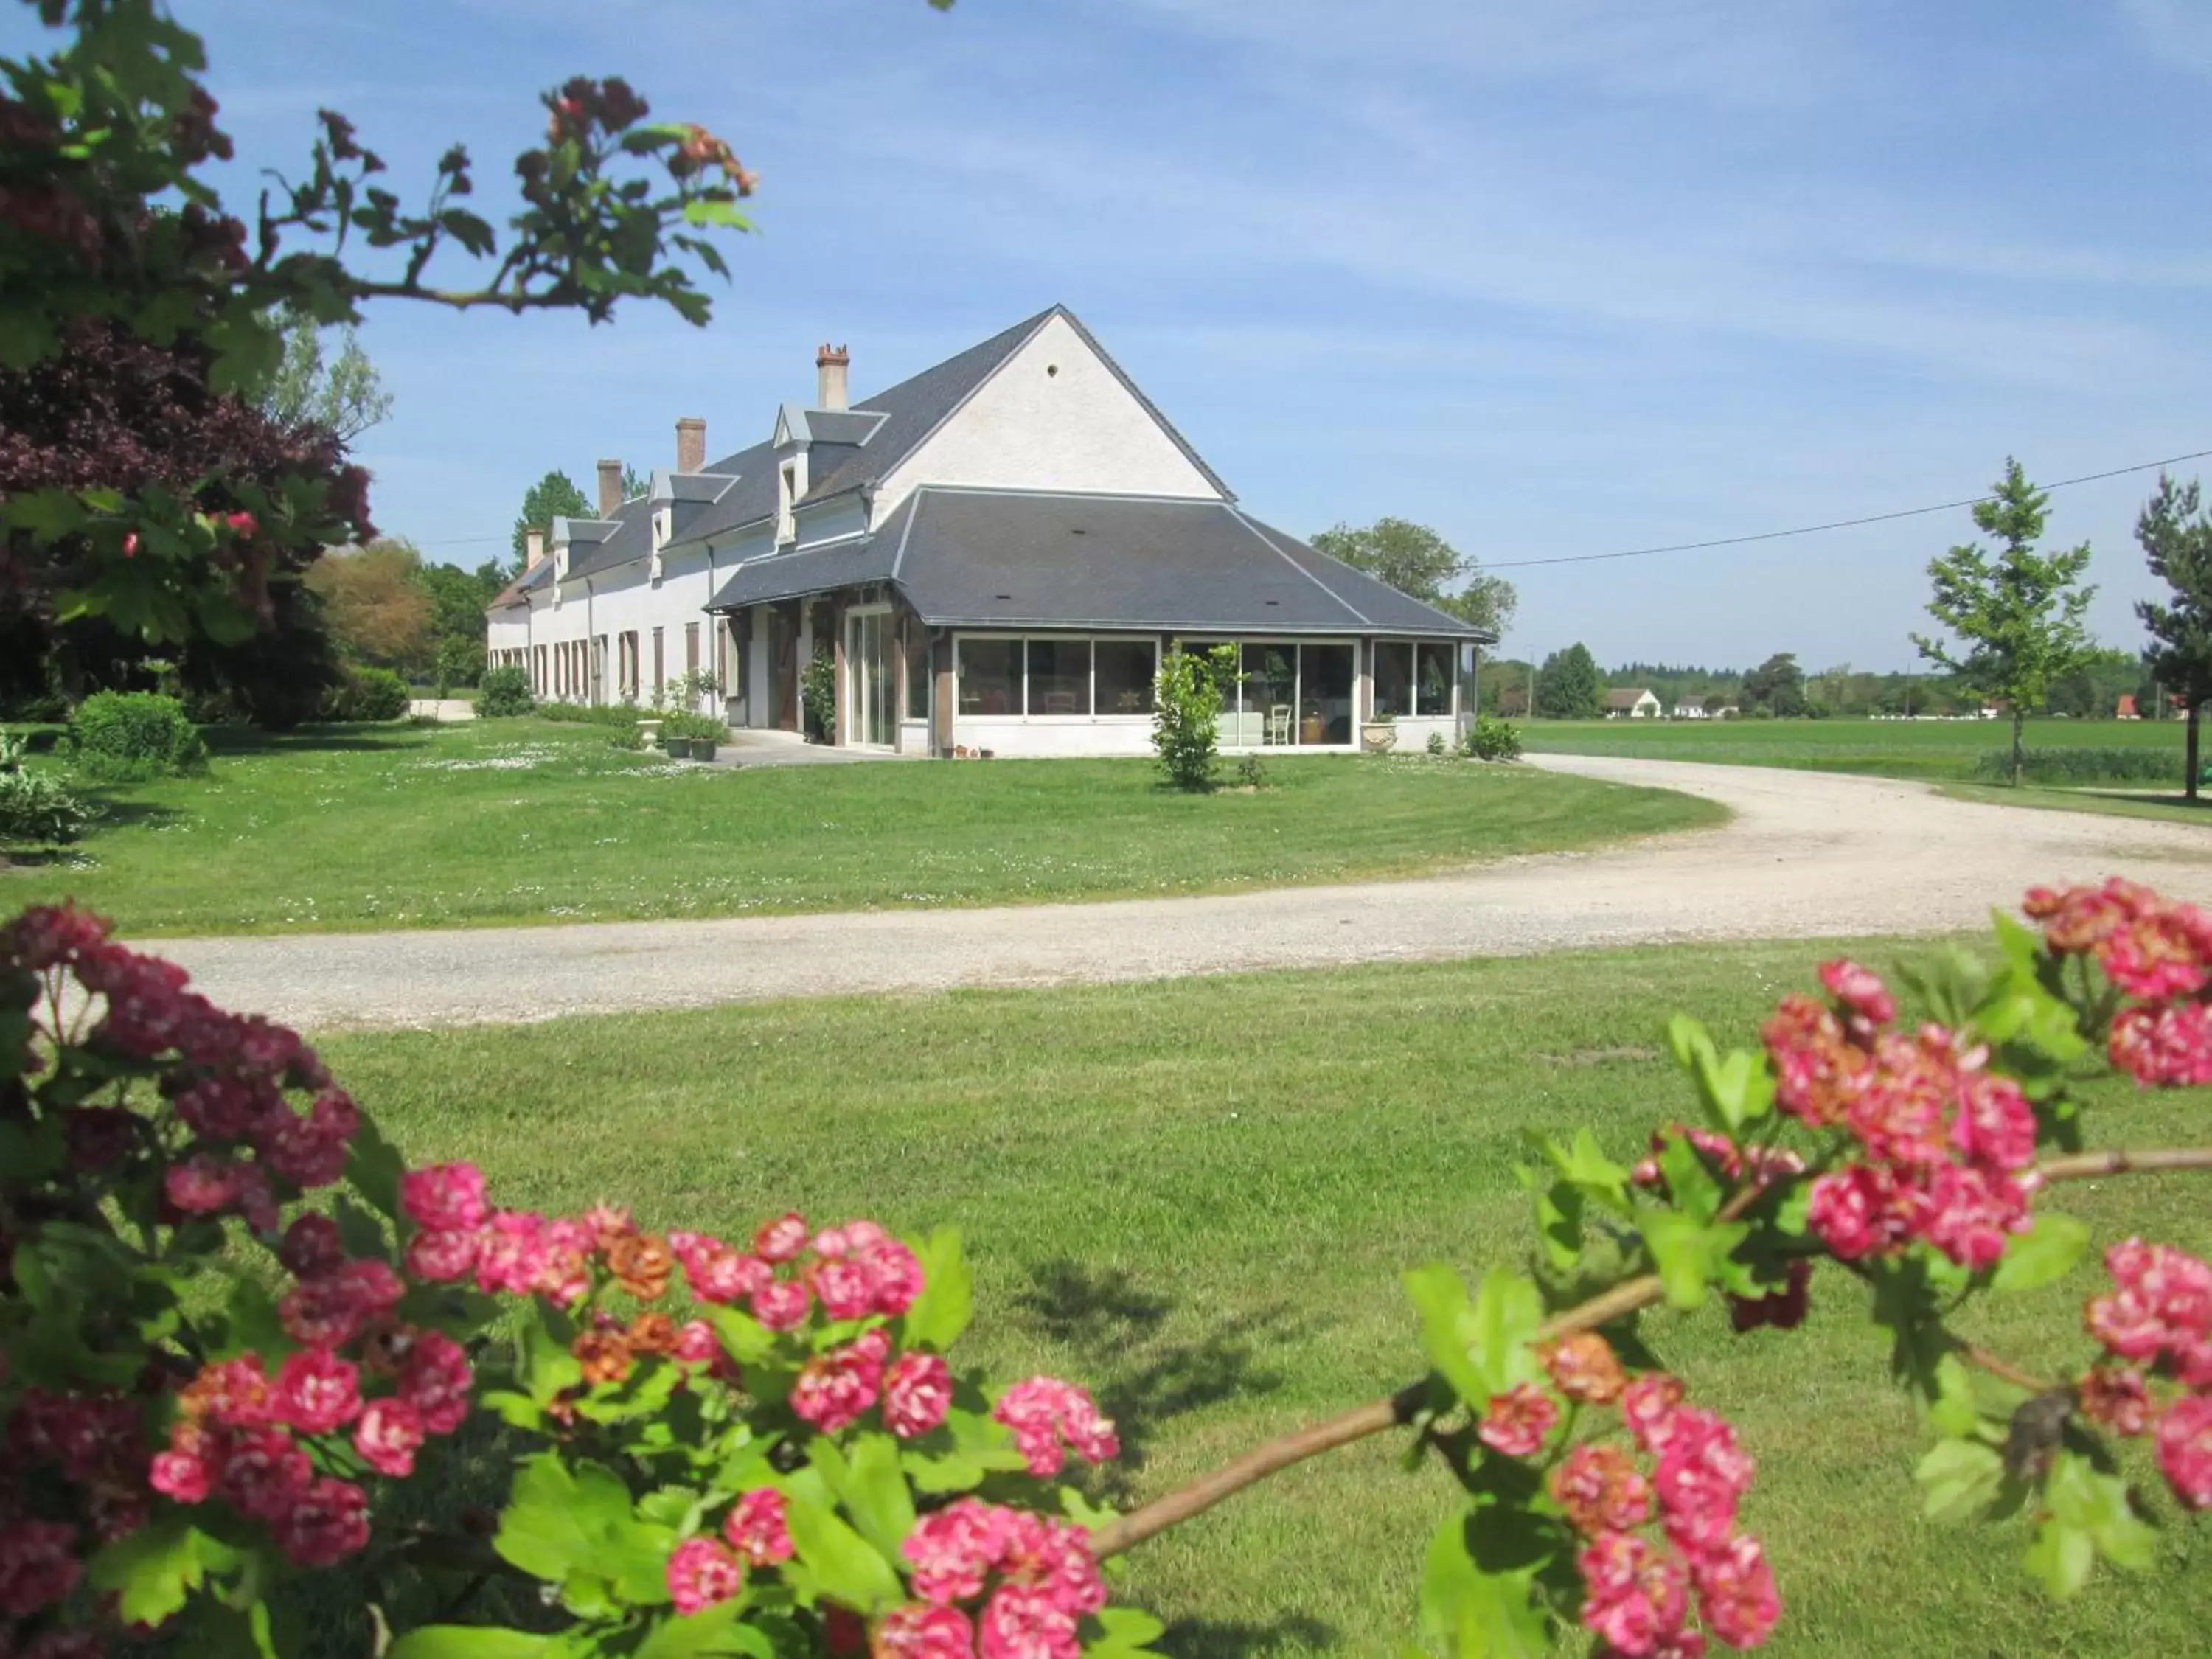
1895	749
2115	803
529	821
1198	1196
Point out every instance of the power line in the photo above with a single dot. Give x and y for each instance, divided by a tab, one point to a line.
1838	524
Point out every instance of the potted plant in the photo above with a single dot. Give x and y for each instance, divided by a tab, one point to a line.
1313	728
1379	734
676	748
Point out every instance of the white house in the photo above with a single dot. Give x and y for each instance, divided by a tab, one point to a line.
1688	711
1631	703
995	553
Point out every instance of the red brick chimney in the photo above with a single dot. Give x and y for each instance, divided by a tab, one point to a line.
690	444
534	539
611	495
831	364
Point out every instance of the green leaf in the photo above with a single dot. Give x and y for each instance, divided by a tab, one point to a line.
1475	1612
155	1568
559	1525
2083	1498
1959	1479
876	1493
744	1338
2043	1254
539	1531
253	1324
467	1642
360	1231
1953	1411
1690	1185
1439	1295
718	1629
842	1566
373	1166
1688	1254
947	1301
1124	1634
1508	1311
547	1366
2060	1557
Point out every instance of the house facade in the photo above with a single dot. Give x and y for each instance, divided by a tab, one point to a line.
994	554
1632	703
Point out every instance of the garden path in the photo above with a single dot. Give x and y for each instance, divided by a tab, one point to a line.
1808	855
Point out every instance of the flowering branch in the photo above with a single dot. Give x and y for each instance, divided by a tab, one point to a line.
1400	1410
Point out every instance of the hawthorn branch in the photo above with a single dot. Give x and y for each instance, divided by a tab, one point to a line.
1399	1409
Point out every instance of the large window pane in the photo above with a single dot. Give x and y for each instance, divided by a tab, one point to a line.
1060	677
917	670
1325	681
990	677
1271	680
1126	672
1393	678
1433	690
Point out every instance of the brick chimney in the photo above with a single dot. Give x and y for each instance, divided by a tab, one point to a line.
534	539
690	444
610	488
831	364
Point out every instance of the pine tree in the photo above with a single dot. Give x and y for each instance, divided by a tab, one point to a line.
2176	536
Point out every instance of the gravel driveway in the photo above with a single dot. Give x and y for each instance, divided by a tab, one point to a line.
1807	855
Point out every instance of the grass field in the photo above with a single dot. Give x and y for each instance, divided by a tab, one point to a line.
1199	1196
528	821
1940	750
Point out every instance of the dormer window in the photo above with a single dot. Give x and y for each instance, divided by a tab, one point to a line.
787	491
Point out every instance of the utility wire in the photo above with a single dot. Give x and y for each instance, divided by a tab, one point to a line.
1838	524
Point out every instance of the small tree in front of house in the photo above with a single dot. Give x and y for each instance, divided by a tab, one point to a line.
2176	535
1186	714
2017	615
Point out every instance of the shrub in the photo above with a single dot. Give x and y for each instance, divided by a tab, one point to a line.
1494	739
1437	744
124	737
459	662
1186	714
2084	765
369	694
37	809
679	723
817	696
589	713
1252	772
504	693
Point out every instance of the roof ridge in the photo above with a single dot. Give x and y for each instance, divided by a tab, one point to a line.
1268	542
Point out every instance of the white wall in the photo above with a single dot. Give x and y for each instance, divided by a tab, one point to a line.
1053	417
1055	736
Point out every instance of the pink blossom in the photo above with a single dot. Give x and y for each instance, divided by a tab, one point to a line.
204	1184
1701	1476
38	1564
918	1631
757	1528
1647	1404
1600	1489
235	1393
310	1150
951	1550
2184	1450
262	1473
1971	1212
317	1391
1635	1596
1045	1411
1862	1211
2160	1300
187	1473
1996	1125
331	1311
781	1239
696	1344
444	1197
724	1276
434	1378
835	1389
312	1247
2117	1398
1859	989
1054	1555
1736	1592
2168	1047
389	1435
442	1257
329	1522
917	1392
1022	1621
846	1286
241	523
898	1274
1518	1421
783	1304
702	1573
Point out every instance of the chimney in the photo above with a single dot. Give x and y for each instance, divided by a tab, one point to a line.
691	443
534	539
830	363
610	488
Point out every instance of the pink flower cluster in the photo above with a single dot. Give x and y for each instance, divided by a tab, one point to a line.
1046	1414
1035	1576
702	1572
2157	1320
857	1271
96	1441
511	1252
1638	1589
2153	950
1945	1144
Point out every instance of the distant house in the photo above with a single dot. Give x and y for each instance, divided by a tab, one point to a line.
1631	703
2126	710
1688	711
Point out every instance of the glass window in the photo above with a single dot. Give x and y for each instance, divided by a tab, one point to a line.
1393	678
1325	685
1433	679
1271	677
1060	677
1127	669
917	671
990	677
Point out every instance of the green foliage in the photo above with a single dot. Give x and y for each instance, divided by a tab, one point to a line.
2176	536
1568	686
504	693
1187	700
1418	561
680	723
555	496
1776	687
2074	766
346	397
369	694
592	714
2017	618
127	736
37	809
1494	739
461	662
1251	772
817	696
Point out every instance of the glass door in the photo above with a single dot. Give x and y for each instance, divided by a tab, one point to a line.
871	693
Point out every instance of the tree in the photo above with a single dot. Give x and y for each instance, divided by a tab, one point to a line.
635	482
2019	615
347	397
555	495
377	609
1568	686
1418	562
2176	535
1776	685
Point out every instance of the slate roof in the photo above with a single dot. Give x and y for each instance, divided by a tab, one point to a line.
1627	696
999	558
519	591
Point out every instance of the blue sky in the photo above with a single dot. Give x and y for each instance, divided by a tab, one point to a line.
1556	279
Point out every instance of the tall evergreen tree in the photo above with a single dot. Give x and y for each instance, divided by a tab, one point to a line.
2176	535
555	494
1568	686
2017	615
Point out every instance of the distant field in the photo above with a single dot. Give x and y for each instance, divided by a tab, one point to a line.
1945	751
